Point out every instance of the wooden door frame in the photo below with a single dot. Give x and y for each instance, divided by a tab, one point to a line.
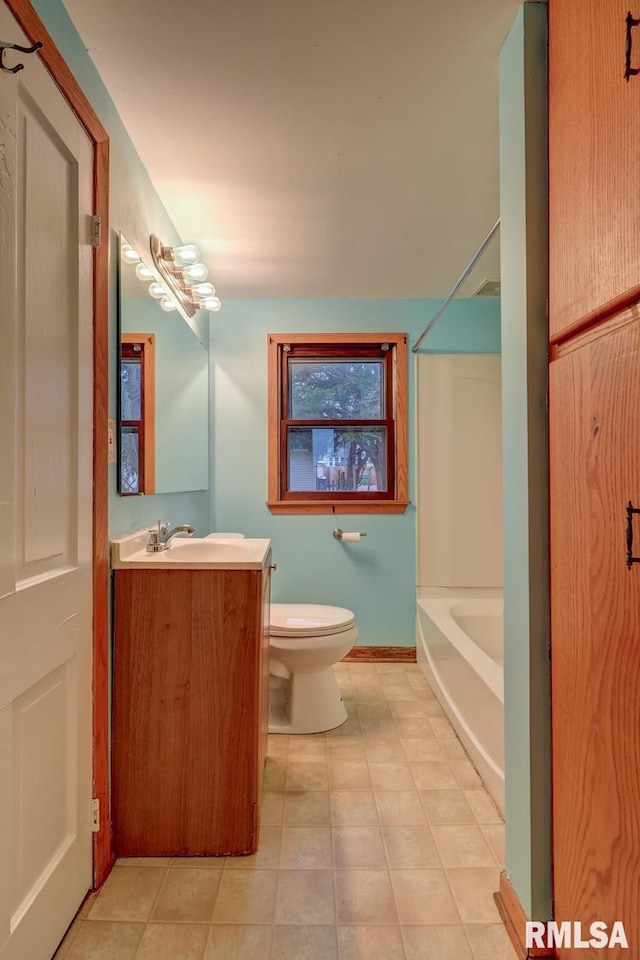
60	73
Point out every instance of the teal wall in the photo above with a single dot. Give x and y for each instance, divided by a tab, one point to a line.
523	205
136	210
376	578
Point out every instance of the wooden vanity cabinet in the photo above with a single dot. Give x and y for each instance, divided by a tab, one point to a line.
190	710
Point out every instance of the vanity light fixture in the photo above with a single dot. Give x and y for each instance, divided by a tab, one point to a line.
157	290
188	253
203	290
183	275
129	255
143	272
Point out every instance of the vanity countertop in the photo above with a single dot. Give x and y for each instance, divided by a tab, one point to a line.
189	553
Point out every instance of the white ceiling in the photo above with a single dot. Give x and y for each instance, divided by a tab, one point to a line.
314	148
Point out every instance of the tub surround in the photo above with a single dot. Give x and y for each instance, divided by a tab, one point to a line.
459	471
459	610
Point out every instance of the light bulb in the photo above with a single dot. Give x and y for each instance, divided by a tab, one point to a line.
186	254
168	305
143	272
129	255
212	303
203	290
158	290
195	271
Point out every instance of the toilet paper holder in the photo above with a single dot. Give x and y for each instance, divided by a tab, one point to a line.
338	534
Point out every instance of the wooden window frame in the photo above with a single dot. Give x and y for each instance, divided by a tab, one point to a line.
147	434
395	499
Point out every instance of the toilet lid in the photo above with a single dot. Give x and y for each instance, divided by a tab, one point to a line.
308	620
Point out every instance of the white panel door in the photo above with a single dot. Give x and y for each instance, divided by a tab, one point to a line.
45	509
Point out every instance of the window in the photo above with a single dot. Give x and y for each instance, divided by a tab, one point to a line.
337	423
136	468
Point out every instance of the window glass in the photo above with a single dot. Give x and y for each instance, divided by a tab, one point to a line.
337	459
130	460
131	389
336	390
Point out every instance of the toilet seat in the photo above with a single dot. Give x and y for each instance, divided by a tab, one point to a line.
309	620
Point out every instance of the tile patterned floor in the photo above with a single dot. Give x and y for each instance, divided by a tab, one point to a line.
378	842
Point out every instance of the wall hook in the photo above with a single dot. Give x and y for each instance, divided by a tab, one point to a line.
15	46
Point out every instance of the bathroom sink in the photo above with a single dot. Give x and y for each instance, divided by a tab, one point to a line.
203	551
189	554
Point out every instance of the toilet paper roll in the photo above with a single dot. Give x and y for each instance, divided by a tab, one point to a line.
351	538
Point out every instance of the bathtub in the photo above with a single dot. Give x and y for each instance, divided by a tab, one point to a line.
459	649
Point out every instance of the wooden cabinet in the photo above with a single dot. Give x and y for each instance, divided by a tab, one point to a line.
190	710
595	606
594	432
594	162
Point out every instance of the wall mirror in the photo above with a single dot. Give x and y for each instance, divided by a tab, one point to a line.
163	390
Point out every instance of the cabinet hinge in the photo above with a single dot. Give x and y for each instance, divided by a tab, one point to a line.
95	815
96	230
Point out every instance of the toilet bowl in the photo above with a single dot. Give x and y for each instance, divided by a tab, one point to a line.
305	640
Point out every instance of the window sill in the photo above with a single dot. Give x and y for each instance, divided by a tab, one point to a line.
337	506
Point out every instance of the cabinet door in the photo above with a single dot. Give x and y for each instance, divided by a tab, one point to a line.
185	710
594	161
595	633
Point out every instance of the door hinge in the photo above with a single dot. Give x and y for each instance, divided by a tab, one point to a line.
95	815
96	230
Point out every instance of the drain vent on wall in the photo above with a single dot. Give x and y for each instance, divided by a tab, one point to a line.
488	288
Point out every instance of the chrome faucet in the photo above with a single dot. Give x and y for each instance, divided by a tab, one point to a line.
160	537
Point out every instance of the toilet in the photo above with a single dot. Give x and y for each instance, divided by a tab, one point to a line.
305	640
